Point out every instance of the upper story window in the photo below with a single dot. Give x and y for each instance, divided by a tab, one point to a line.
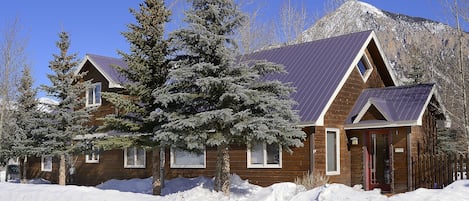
264	155
364	67
93	95
332	151
134	157
185	159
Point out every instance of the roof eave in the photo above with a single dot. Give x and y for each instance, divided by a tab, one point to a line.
382	125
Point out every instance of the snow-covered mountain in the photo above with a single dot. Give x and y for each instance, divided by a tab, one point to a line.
411	44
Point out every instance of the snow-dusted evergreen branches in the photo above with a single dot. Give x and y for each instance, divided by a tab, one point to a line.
213	100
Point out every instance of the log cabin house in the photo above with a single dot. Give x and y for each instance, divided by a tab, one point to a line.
361	127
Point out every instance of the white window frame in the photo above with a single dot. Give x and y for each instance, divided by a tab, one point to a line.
264	165
368	66
46	160
173	160
93	157
135	158
337	157
93	87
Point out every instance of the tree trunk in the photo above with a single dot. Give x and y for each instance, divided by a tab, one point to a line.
23	169
162	163
456	12
222	174
62	170
156	171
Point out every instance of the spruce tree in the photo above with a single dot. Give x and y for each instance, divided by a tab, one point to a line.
147	70
27	137
69	117
213	100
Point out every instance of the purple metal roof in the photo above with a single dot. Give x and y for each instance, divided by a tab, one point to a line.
106	65
403	103
315	69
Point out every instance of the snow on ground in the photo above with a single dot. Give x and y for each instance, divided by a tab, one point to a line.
200	188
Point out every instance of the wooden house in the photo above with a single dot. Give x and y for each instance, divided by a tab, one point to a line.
361	128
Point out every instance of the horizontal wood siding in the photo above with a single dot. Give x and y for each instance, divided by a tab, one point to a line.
294	164
34	170
110	166
356	154
335	118
400	160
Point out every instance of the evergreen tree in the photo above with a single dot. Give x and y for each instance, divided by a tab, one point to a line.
68	118
213	100
147	70
27	137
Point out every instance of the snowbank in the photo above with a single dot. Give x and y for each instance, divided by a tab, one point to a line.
200	188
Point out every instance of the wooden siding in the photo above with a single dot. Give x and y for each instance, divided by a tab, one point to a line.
336	116
110	166
424	138
293	165
106	107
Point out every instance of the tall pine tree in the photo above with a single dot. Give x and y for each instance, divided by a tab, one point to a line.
28	135
147	70
69	117
213	100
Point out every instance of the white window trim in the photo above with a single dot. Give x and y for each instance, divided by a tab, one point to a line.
93	86
264	165
135	158
337	137
43	168
173	165
368	65
94	157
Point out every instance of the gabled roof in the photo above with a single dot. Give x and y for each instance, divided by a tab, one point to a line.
401	106
105	66
319	69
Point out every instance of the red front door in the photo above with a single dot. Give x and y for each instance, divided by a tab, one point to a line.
379	160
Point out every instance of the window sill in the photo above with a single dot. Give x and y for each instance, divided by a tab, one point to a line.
265	166
187	166
134	167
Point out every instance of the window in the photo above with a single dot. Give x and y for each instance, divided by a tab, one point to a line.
332	151
264	156
93	95
134	157
186	159
93	157
46	163
364	67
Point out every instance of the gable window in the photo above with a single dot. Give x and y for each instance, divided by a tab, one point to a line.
264	155
93	157
185	159
93	95
332	151
46	163
134	157
364	67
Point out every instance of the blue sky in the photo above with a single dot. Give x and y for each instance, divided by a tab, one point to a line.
95	25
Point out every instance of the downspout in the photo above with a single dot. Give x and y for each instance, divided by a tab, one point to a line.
409	160
311	149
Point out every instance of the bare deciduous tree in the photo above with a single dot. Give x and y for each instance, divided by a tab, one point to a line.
254	35
12	60
293	21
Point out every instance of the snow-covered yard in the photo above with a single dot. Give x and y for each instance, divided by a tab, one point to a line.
200	188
